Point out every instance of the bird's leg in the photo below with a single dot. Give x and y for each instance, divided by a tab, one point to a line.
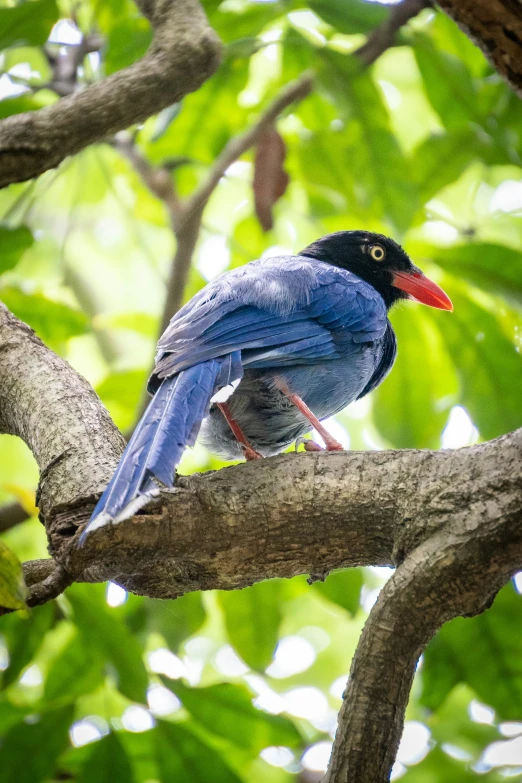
330	442
248	451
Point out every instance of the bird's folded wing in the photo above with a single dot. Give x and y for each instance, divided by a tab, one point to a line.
276	320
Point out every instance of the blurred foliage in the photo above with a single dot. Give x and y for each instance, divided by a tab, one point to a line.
425	146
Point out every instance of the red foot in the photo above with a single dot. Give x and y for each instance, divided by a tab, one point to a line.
250	454
311	445
334	445
331	443
308	445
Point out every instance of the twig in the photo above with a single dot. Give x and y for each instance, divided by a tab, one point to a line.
65	64
384	35
45	579
12	515
293	92
158	180
185	51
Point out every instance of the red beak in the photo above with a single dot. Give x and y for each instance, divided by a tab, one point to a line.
422	289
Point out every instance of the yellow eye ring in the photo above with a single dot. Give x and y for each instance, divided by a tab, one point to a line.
377	252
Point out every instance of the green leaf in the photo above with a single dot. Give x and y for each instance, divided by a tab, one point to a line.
18	105
29	751
252	618
10	715
108	763
372	153
23	636
484	359
465	649
226	709
77	670
494	268
176	620
350	16
342	588
438	767
127	42
447	83
207	118
27	23
452	723
125	387
52	321
411	406
442	158
182	756
13	592
141	323
13	244
236	22
101	628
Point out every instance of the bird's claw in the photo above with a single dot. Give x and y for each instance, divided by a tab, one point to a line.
250	454
308	445
311	445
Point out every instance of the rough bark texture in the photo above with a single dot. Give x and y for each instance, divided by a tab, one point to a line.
184	53
495	26
55	411
471	517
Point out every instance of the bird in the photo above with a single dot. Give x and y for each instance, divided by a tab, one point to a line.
265	352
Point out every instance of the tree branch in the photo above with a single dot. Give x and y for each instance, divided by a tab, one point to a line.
184	53
295	91
11	515
383	36
495	26
185	216
55	411
456	571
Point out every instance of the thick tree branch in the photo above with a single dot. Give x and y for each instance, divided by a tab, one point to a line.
261	519
455	571
495	26
184	53
55	411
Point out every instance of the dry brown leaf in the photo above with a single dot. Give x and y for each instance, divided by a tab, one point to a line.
270	178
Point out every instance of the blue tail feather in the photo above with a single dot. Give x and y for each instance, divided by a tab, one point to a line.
170	423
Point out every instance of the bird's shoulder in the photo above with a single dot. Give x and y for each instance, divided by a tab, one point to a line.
282	286
279	284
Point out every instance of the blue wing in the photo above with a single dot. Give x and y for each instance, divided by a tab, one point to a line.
272	313
278	312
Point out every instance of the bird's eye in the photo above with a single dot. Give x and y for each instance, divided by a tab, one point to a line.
377	252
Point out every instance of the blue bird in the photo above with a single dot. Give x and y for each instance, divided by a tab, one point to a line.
260	355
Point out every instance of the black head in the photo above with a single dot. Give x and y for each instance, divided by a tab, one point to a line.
381	262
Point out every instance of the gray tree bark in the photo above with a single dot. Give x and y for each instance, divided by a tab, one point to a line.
495	26
184	53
